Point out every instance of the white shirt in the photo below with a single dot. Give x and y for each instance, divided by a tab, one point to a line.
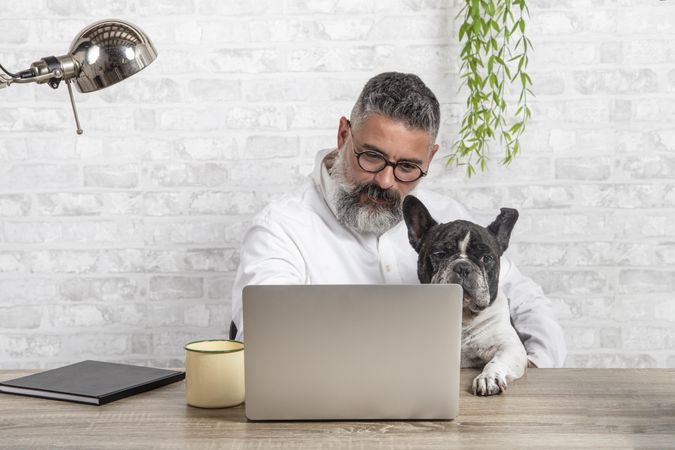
298	240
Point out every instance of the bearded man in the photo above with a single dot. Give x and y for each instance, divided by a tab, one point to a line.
345	225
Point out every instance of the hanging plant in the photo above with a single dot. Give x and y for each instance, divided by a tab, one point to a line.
494	55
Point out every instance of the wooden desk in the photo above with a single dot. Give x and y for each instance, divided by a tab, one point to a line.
561	408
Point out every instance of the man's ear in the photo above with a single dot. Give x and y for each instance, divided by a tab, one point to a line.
418	220
343	131
502	227
434	149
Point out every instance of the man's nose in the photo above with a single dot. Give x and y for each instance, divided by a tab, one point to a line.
385	178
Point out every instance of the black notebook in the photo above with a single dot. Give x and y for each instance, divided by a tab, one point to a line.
92	382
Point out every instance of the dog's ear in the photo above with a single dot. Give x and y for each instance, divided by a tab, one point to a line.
418	220
502	227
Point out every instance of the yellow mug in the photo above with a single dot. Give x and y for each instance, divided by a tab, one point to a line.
214	373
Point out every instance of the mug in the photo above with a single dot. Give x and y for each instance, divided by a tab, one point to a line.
214	373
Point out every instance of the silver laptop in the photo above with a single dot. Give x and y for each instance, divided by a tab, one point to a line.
352	352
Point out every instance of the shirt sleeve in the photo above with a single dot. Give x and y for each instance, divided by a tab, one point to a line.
533	318
268	255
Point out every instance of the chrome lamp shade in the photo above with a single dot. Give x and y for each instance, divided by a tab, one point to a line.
103	54
109	51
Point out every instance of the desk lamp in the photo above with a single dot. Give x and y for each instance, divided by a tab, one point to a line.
101	55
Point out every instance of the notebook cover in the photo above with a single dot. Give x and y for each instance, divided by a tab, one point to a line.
96	382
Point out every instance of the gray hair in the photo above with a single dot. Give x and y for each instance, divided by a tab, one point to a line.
400	96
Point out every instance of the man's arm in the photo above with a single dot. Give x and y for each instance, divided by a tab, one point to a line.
533	318
268	256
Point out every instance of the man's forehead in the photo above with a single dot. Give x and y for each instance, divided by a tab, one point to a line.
373	121
394	139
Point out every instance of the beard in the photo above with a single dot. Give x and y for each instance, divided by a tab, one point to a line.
366	207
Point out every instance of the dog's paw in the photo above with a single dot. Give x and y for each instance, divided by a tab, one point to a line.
489	382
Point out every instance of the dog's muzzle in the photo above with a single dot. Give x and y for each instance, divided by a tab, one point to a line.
472	279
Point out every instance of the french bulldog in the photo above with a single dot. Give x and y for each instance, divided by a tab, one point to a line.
468	254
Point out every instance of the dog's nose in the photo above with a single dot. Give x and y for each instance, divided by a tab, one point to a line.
462	269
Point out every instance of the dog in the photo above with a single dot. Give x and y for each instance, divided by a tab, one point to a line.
468	254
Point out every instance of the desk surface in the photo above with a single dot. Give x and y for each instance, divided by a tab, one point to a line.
561	408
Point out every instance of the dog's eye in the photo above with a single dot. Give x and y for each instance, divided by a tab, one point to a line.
440	254
487	259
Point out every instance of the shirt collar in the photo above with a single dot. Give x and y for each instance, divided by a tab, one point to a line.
323	180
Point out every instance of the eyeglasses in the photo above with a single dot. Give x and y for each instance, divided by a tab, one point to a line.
374	162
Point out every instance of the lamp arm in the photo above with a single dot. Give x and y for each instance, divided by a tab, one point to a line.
5	80
50	69
36	78
54	77
72	103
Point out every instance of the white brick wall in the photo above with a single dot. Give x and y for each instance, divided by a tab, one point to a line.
121	244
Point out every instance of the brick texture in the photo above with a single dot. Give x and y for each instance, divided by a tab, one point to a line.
121	244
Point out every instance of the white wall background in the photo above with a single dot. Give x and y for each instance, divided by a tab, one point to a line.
121	244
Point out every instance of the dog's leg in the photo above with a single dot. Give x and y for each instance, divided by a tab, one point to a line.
507	364
495	341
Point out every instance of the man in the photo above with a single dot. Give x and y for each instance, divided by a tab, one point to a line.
345	225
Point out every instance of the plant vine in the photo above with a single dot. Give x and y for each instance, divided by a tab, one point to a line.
494	55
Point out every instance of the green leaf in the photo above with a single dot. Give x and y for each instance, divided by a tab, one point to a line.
462	30
507	72
529	43
476	26
486	27
493	80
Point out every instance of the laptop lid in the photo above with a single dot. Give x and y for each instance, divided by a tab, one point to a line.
341	352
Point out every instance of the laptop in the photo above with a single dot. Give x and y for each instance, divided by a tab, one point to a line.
352	352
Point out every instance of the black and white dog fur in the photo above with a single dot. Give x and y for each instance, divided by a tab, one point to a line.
467	254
